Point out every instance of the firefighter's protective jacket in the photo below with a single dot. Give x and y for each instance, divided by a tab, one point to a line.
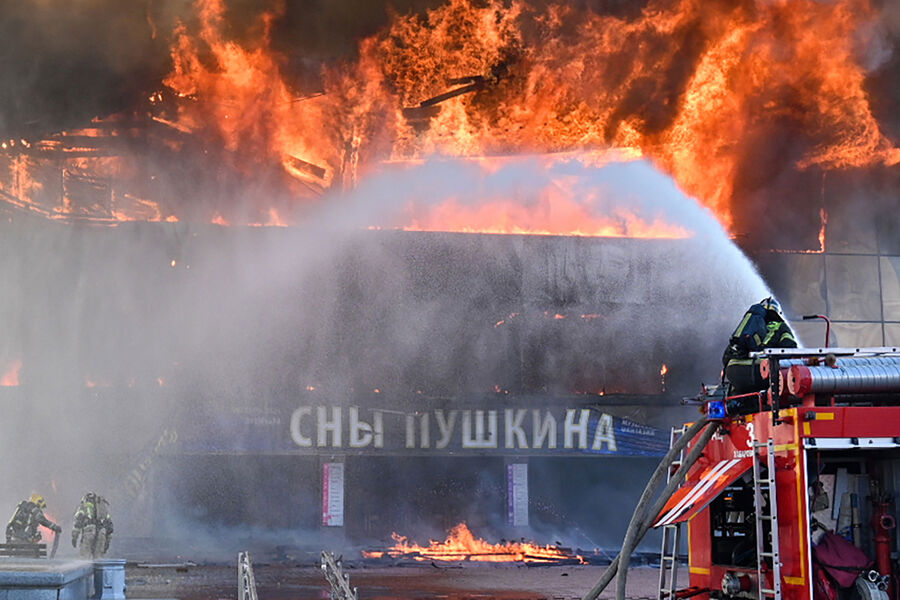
758	329
92	512
23	526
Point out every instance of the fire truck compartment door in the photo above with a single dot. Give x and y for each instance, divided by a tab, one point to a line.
693	496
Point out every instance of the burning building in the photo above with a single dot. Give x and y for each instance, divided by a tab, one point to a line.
417	261
222	380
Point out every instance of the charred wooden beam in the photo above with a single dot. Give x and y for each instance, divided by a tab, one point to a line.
469	83
308	167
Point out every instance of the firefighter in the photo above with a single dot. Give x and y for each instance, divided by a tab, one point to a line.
93	525
23	526
763	326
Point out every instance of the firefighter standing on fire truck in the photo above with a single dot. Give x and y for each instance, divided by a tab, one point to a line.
93	525
763	326
23	526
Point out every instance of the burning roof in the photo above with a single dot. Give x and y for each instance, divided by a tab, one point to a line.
745	104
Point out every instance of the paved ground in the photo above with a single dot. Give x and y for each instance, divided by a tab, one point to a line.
470	582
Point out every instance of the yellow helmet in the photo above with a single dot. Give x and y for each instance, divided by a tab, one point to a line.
39	500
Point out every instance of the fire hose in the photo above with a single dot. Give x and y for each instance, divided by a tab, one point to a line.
643	517
56	535
882	524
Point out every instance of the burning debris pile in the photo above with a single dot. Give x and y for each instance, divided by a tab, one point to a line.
87	175
462	545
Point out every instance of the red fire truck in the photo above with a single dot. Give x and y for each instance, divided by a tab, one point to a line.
792	497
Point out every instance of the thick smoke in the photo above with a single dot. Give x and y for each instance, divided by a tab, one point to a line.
65	63
128	334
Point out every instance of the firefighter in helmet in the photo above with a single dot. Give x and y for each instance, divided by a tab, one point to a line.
763	326
93	525
23	526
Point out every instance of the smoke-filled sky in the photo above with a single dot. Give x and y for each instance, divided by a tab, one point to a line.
64	62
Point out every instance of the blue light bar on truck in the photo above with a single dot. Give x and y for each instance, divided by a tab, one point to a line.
715	409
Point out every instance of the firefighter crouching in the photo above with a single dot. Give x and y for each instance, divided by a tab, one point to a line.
23	526
93	525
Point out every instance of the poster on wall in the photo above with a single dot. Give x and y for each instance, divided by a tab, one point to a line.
517	492
333	494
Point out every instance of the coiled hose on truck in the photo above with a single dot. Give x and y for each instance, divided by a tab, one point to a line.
646	510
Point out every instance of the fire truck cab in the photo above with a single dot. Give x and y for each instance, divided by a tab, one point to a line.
793	497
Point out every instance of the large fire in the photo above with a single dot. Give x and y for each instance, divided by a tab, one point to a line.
693	86
462	545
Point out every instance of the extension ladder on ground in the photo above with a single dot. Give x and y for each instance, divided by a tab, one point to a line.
668	554
337	579
246	580
766	512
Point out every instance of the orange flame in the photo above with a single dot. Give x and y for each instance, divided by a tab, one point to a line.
241	97
692	86
91	382
477	78
10	378
461	544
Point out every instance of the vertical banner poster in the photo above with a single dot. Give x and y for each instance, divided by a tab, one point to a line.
517	492
333	494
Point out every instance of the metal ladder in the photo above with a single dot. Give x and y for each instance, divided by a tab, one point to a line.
337	579
671	538
769	513
246	580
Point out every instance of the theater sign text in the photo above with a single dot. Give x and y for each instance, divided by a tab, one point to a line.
469	429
